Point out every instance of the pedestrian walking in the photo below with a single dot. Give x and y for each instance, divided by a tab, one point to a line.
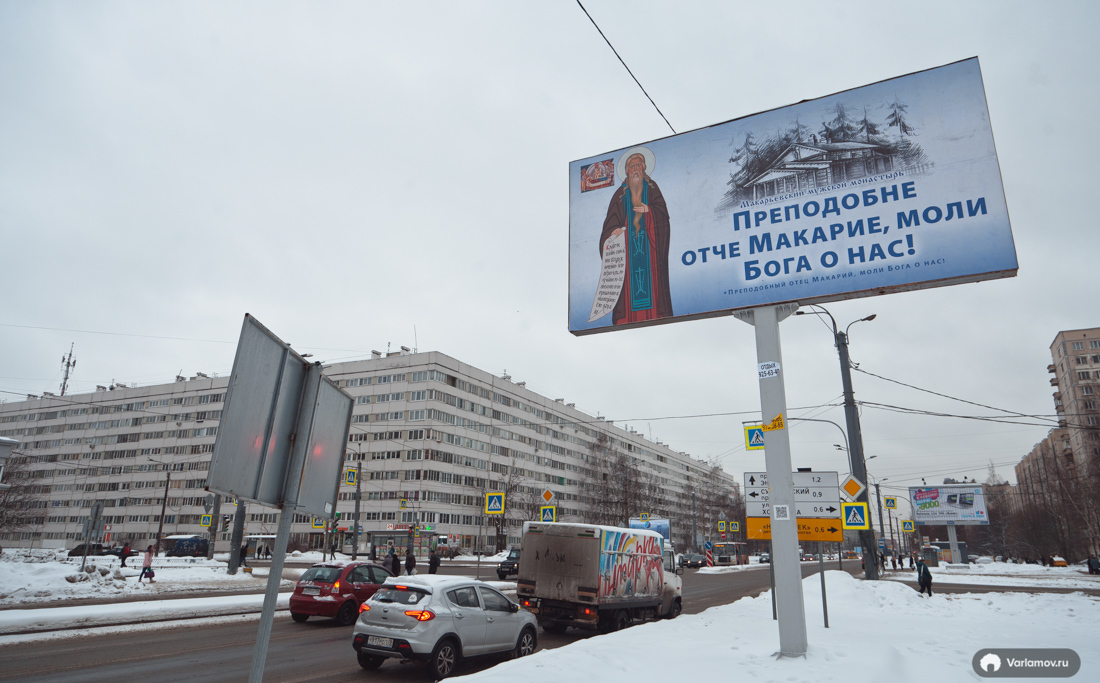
924	577
894	561
125	553
147	566
244	556
1094	565
433	562
393	564
410	562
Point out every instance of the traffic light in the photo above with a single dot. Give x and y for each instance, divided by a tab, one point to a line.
225	522
337	515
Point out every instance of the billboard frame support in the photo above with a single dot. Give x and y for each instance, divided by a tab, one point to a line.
790	604
291	482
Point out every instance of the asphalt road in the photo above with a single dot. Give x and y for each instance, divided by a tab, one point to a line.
314	651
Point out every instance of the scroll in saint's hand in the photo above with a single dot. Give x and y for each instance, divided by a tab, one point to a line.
612	273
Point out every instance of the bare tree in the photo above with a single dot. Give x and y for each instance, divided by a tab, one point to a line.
23	503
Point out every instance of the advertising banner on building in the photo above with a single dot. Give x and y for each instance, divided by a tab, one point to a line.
949	505
889	187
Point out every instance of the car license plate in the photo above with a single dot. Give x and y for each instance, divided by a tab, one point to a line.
311	591
379	641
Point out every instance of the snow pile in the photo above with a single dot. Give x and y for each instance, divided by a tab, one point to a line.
1002	574
35	576
879	631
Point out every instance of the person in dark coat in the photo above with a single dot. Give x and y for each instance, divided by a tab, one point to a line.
433	562
125	553
410	562
394	564
924	577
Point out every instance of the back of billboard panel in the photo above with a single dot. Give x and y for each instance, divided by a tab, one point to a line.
888	187
949	505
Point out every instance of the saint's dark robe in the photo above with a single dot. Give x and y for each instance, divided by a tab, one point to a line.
645	294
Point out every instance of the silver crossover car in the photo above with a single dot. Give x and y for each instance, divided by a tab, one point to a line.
440	620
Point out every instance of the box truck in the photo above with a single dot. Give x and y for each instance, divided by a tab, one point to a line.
596	577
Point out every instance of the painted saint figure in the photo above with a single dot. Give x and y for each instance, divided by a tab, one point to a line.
639	209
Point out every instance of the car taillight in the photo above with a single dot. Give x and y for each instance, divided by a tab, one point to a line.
364	608
336	587
421	614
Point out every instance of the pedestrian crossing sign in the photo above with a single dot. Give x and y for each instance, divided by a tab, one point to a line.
318	523
643	517
908	526
754	438
548	513
494	503
735	526
890	502
854	516
349	477
207	520
722	526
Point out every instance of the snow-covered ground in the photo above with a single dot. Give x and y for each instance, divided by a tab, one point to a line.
1001	574
879	631
29	577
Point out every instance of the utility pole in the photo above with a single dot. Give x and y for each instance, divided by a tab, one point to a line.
855	444
878	494
694	535
163	508
355	517
236	538
68	363
215	521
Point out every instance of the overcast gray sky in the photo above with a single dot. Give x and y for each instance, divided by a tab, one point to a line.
362	174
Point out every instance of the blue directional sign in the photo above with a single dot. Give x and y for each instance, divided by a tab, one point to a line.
854	516
548	513
708	545
494	503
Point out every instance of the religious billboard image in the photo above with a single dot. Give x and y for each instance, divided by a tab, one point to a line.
949	505
889	187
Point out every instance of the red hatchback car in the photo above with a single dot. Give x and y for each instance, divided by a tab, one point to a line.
335	589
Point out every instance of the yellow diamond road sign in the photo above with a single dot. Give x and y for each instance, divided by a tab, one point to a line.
547	495
852	487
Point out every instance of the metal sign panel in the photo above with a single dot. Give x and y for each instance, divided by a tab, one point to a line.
830	531
548	513
854	516
735	526
349	477
908	526
206	521
721	526
852	487
890	502
662	526
949	505
326	433
889	187
816	494
754	438
494	503
252	450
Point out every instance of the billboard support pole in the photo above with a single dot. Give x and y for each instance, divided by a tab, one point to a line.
292	482
953	538
790	605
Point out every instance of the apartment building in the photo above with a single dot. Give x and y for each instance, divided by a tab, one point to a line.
430	435
1076	370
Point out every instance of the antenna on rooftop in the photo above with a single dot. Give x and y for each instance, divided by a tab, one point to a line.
68	363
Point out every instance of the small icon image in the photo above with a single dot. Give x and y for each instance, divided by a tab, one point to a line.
990	662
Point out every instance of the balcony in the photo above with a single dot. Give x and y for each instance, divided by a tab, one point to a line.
1053	381
1051	368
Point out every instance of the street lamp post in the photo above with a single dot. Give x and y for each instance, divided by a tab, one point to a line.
855	437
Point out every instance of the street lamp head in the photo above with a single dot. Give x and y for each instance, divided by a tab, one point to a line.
870	317
871	457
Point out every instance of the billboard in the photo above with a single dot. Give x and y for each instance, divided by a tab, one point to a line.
889	187
661	526
949	505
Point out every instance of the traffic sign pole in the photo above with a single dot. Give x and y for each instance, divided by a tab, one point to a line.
777	455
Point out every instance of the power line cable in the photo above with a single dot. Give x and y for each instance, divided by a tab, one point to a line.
626	67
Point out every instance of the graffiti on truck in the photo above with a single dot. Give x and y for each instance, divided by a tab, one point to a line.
630	565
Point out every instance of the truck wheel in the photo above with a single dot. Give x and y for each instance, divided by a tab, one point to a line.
298	617
553	627
444	658
674	612
622	621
